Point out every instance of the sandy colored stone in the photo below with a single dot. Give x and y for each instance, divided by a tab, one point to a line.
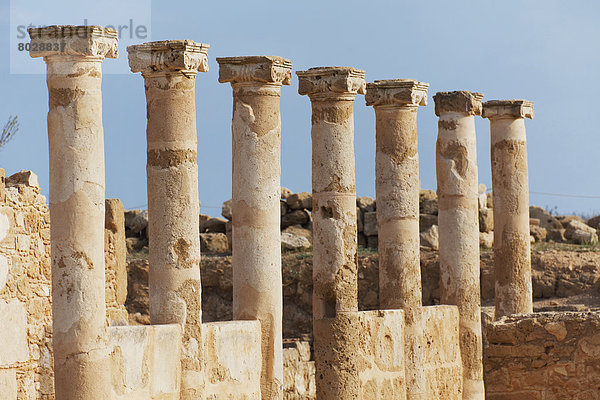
76	147
232	357
397	187
332	91
256	193
456	167
549	355
169	69
8	384
115	251
510	187
145	362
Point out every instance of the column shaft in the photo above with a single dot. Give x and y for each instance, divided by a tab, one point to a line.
335	294
76	145
257	290
512	256
173	205
397	186
256	141
456	166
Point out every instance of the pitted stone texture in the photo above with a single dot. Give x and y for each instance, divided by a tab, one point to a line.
442	363
550	355
397	187
232	359
256	193
335	304
255	69
145	362
462	101
382	355
328	83
76	147
176	56
458	221
508	109
396	92
169	69
71	40
115	253
512	259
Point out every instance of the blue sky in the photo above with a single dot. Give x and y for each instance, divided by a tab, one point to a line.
545	51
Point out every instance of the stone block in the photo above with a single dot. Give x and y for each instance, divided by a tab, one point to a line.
300	201
365	204
214	243
226	209
426	221
443	365
8	384
23	177
298	372
370	223
145	361
486	220
382	359
13	335
232	359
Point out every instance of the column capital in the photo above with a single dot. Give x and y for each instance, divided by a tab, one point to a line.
508	109
461	101
71	40
331	83
397	92
166	56
258	69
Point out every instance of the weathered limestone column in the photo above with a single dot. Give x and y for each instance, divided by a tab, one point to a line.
458	221
512	256
256	130
335	293
397	185
74	56
169	69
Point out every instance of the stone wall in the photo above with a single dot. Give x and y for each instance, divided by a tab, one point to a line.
25	302
115	259
551	355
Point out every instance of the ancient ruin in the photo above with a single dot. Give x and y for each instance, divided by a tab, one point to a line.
456	167
406	323
512	254
256	128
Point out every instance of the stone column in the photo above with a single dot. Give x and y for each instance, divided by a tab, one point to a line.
335	318
458	220
169	69
512	256
74	56
397	185
256	130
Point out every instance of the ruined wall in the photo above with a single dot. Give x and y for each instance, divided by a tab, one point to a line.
25	302
551	355
115	259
